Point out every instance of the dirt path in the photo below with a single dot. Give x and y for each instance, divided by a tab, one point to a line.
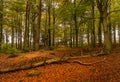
105	71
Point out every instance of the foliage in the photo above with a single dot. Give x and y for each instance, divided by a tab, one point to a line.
68	21
11	51
27	49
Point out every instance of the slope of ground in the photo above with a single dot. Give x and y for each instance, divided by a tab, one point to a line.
104	71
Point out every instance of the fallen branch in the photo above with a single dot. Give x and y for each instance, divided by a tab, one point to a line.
86	64
42	63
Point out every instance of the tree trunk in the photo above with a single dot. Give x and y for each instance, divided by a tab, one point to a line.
88	34
71	35
13	32
107	40
100	31
26	34
103	10
1	22
20	33
93	26
75	22
119	33
99	6
54	19
6	34
114	35
37	29
49	21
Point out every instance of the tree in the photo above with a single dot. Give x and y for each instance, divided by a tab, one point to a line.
49	21
1	21
62	22
75	23
103	10
26	34
37	28
93	24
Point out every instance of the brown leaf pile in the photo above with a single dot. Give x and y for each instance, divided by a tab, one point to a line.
106	71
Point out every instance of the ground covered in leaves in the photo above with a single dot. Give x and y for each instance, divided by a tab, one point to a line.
104	68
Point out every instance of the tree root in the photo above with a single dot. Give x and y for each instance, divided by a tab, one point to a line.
86	64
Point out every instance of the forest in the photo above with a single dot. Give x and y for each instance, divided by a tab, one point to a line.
59	40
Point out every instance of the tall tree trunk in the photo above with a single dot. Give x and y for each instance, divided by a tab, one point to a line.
75	22
46	30
37	29
81	36
88	33
54	19
16	37
6	34
107	39
93	25
100	31
114	35
33	28
26	34
103	10
20	33
49	21
1	22
71	35
100	9
13	33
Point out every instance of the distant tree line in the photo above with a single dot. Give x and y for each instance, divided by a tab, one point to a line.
30	24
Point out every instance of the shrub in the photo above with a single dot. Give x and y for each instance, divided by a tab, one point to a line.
11	51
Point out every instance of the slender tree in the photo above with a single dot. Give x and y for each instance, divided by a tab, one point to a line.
37	29
26	34
75	22
1	22
93	24
49	21
54	20
99	6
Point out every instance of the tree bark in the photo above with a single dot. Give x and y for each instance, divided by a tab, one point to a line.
1	22
54	20
93	42
100	31
114	35
75	22
103	10
26	34
37	29
49	22
13	33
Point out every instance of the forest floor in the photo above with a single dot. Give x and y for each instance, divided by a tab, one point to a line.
104	68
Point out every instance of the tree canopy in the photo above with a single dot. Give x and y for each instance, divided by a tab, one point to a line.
34	24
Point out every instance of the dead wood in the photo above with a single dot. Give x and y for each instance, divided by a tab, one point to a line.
45	62
86	64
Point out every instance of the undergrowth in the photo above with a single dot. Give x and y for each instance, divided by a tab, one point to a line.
9	50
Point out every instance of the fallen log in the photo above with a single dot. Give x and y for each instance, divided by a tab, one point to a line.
42	63
33	65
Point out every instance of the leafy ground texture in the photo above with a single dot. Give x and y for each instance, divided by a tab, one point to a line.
104	68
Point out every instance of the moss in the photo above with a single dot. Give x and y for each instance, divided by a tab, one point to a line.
33	73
